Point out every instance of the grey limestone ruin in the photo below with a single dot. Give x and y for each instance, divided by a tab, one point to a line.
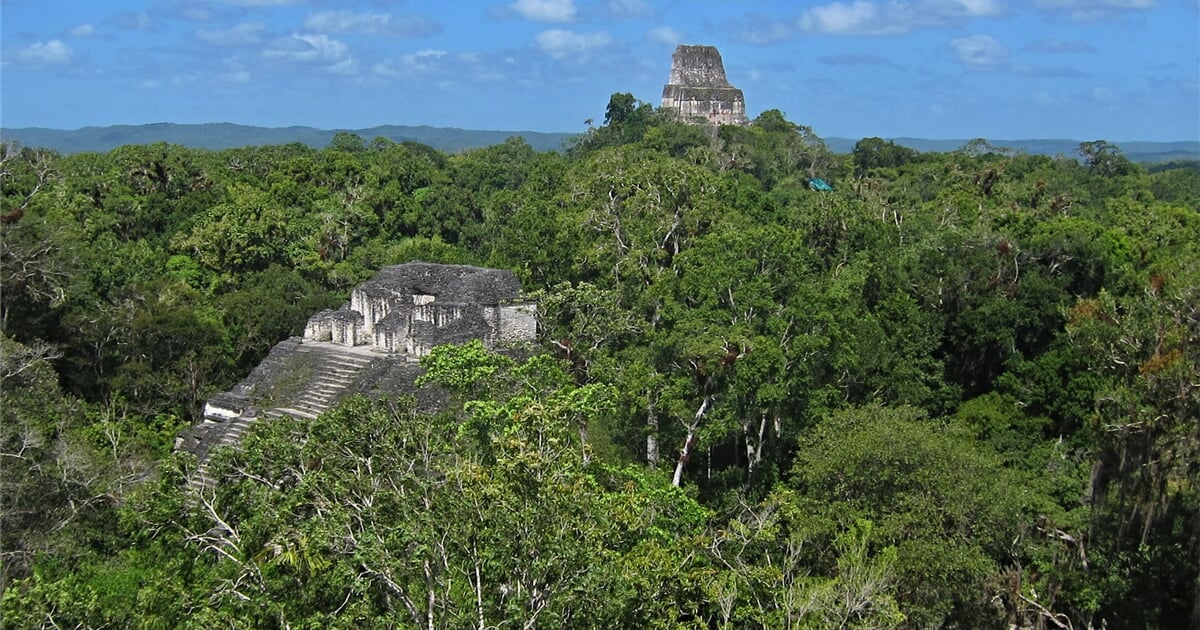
411	308
698	88
368	346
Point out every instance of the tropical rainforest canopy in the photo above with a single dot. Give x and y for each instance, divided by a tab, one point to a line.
958	390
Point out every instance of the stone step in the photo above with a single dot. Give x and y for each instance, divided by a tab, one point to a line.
240	423
334	379
338	372
292	411
335	354
332	382
329	390
344	364
334	371
314	409
317	406
200	480
232	434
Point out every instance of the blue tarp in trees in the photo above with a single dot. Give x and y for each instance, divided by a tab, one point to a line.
819	184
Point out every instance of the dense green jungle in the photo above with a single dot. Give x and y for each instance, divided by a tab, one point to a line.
958	390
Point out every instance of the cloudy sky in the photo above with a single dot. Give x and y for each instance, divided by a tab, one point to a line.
1077	69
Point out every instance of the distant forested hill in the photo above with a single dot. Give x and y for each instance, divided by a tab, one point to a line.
218	136
1134	151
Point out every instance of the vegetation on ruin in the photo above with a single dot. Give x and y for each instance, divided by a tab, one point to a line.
960	390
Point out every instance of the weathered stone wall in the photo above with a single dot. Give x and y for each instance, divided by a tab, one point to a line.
347	328
518	322
698	88
697	66
413	307
319	327
373	304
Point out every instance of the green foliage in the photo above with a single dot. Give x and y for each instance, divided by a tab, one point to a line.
65	464
872	153
949	509
957	390
1104	159
247	233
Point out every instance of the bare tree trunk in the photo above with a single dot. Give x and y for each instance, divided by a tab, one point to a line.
689	443
583	441
651	438
430	596
754	445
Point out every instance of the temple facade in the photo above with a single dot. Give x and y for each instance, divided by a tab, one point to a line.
698	89
413	307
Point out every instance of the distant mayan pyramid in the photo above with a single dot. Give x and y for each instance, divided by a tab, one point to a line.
698	88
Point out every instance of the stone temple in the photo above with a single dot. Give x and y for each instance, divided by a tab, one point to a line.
411	308
698	88
368	346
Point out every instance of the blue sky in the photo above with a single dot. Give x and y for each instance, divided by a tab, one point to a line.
1078	69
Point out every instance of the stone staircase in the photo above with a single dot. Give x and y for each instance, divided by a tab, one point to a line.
335	369
231	434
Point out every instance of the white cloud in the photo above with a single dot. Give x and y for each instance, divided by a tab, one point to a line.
346	67
371	23
851	60
838	18
761	30
1100	93
319	49
51	52
979	51
195	13
972	7
664	35
1048	72
131	21
83	30
562	44
262	3
1088	10
237	76
199	77
1058	46
628	8
422	62
240	34
866	17
546	10
1044	98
